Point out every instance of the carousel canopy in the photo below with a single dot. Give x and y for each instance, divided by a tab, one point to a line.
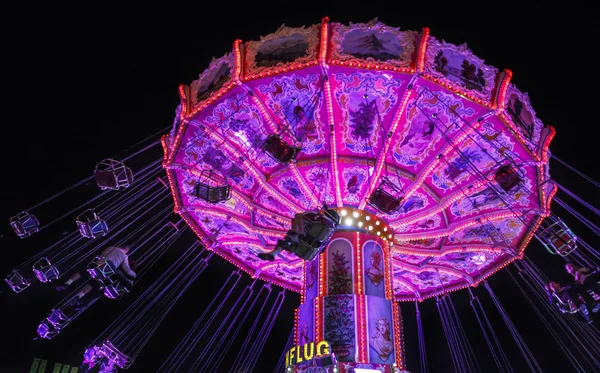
419	135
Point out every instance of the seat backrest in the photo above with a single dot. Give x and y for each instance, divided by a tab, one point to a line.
17	281
106	179
84	229
98	228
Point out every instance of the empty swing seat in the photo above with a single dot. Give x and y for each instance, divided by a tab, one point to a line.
212	194
24	224
90	225
17	281
116	289
47	330
507	177
556	237
111	174
383	201
279	150
45	271
113	354
58	318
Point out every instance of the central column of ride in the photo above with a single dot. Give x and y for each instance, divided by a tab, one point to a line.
348	297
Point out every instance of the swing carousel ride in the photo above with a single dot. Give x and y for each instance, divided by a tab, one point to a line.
358	165
436	165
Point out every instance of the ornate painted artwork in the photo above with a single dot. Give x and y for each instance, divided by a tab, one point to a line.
380	333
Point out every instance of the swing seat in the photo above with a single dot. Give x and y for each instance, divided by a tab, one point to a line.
47	330
116	289
212	194
386	198
111	174
92	355
313	241
563	307
90	225
45	271
556	237
383	201
212	188
101	271
24	224
507	178
279	150
306	251
17	281
58	318
113	354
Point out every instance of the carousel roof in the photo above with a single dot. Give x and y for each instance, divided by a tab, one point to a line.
365	103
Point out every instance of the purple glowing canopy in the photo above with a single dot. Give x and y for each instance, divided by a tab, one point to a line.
364	102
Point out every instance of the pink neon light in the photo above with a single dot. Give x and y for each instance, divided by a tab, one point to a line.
334	153
468	224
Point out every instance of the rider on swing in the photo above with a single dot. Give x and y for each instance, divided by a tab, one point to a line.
300	225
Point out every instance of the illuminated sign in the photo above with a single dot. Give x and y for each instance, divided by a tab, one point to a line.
306	352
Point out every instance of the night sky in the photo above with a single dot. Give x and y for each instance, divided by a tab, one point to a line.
82	84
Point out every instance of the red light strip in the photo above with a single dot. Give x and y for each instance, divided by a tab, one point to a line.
422	50
324	42
503	88
334	152
277	71
397	335
358	268
362	334
370	66
238	61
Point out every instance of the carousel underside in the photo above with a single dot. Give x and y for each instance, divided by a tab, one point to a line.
333	114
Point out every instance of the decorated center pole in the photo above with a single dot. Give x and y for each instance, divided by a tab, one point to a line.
348	300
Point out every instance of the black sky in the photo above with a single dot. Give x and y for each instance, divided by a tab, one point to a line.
86	82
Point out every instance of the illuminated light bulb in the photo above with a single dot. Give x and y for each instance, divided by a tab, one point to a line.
368	218
355	214
349	221
377	222
370	227
390	236
385	229
378	233
344	212
360	223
